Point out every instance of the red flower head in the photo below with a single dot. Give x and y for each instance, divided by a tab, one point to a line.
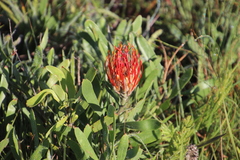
124	69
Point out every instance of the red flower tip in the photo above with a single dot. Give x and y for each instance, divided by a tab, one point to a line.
124	69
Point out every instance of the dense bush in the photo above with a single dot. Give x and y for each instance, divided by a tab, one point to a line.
56	101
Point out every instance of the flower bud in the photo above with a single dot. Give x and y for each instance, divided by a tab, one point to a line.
124	69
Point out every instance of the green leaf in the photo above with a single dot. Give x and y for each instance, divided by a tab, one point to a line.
64	131
122	148
122	32
59	124
97	126
9	128
76	149
121	28
50	56
134	153
11	110
14	143
182	82
64	64
131	39
88	131
16	15
137	25
3	144
110	111
175	31
202	89
26	112
88	92
165	105
201	57
98	36
35	100
69	83
84	143
154	36
53	80
145	137
3	89
143	91
51	23
91	73
156	64
59	92
44	41
149	124
108	13
16	72
74	17
34	128
40	151
193	44
89	55
145	48
136	111
56	72
43	6
89	41
37	60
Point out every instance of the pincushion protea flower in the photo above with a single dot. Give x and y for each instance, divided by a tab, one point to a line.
124	69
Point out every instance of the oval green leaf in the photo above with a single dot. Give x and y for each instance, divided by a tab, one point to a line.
44	41
137	25
122	148
40	151
3	144
56	72
149	124
147	84
145	137
84	143
35	100
145	48
59	92
56	126
98	36
88	92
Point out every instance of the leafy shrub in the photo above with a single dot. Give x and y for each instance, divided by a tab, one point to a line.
56	101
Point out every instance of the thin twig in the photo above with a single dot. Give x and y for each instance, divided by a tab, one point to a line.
14	47
168	63
78	71
165	63
178	61
172	46
174	54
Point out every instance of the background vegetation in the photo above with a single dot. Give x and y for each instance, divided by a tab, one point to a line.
55	99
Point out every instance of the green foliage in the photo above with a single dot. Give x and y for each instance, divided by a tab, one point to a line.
56	102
